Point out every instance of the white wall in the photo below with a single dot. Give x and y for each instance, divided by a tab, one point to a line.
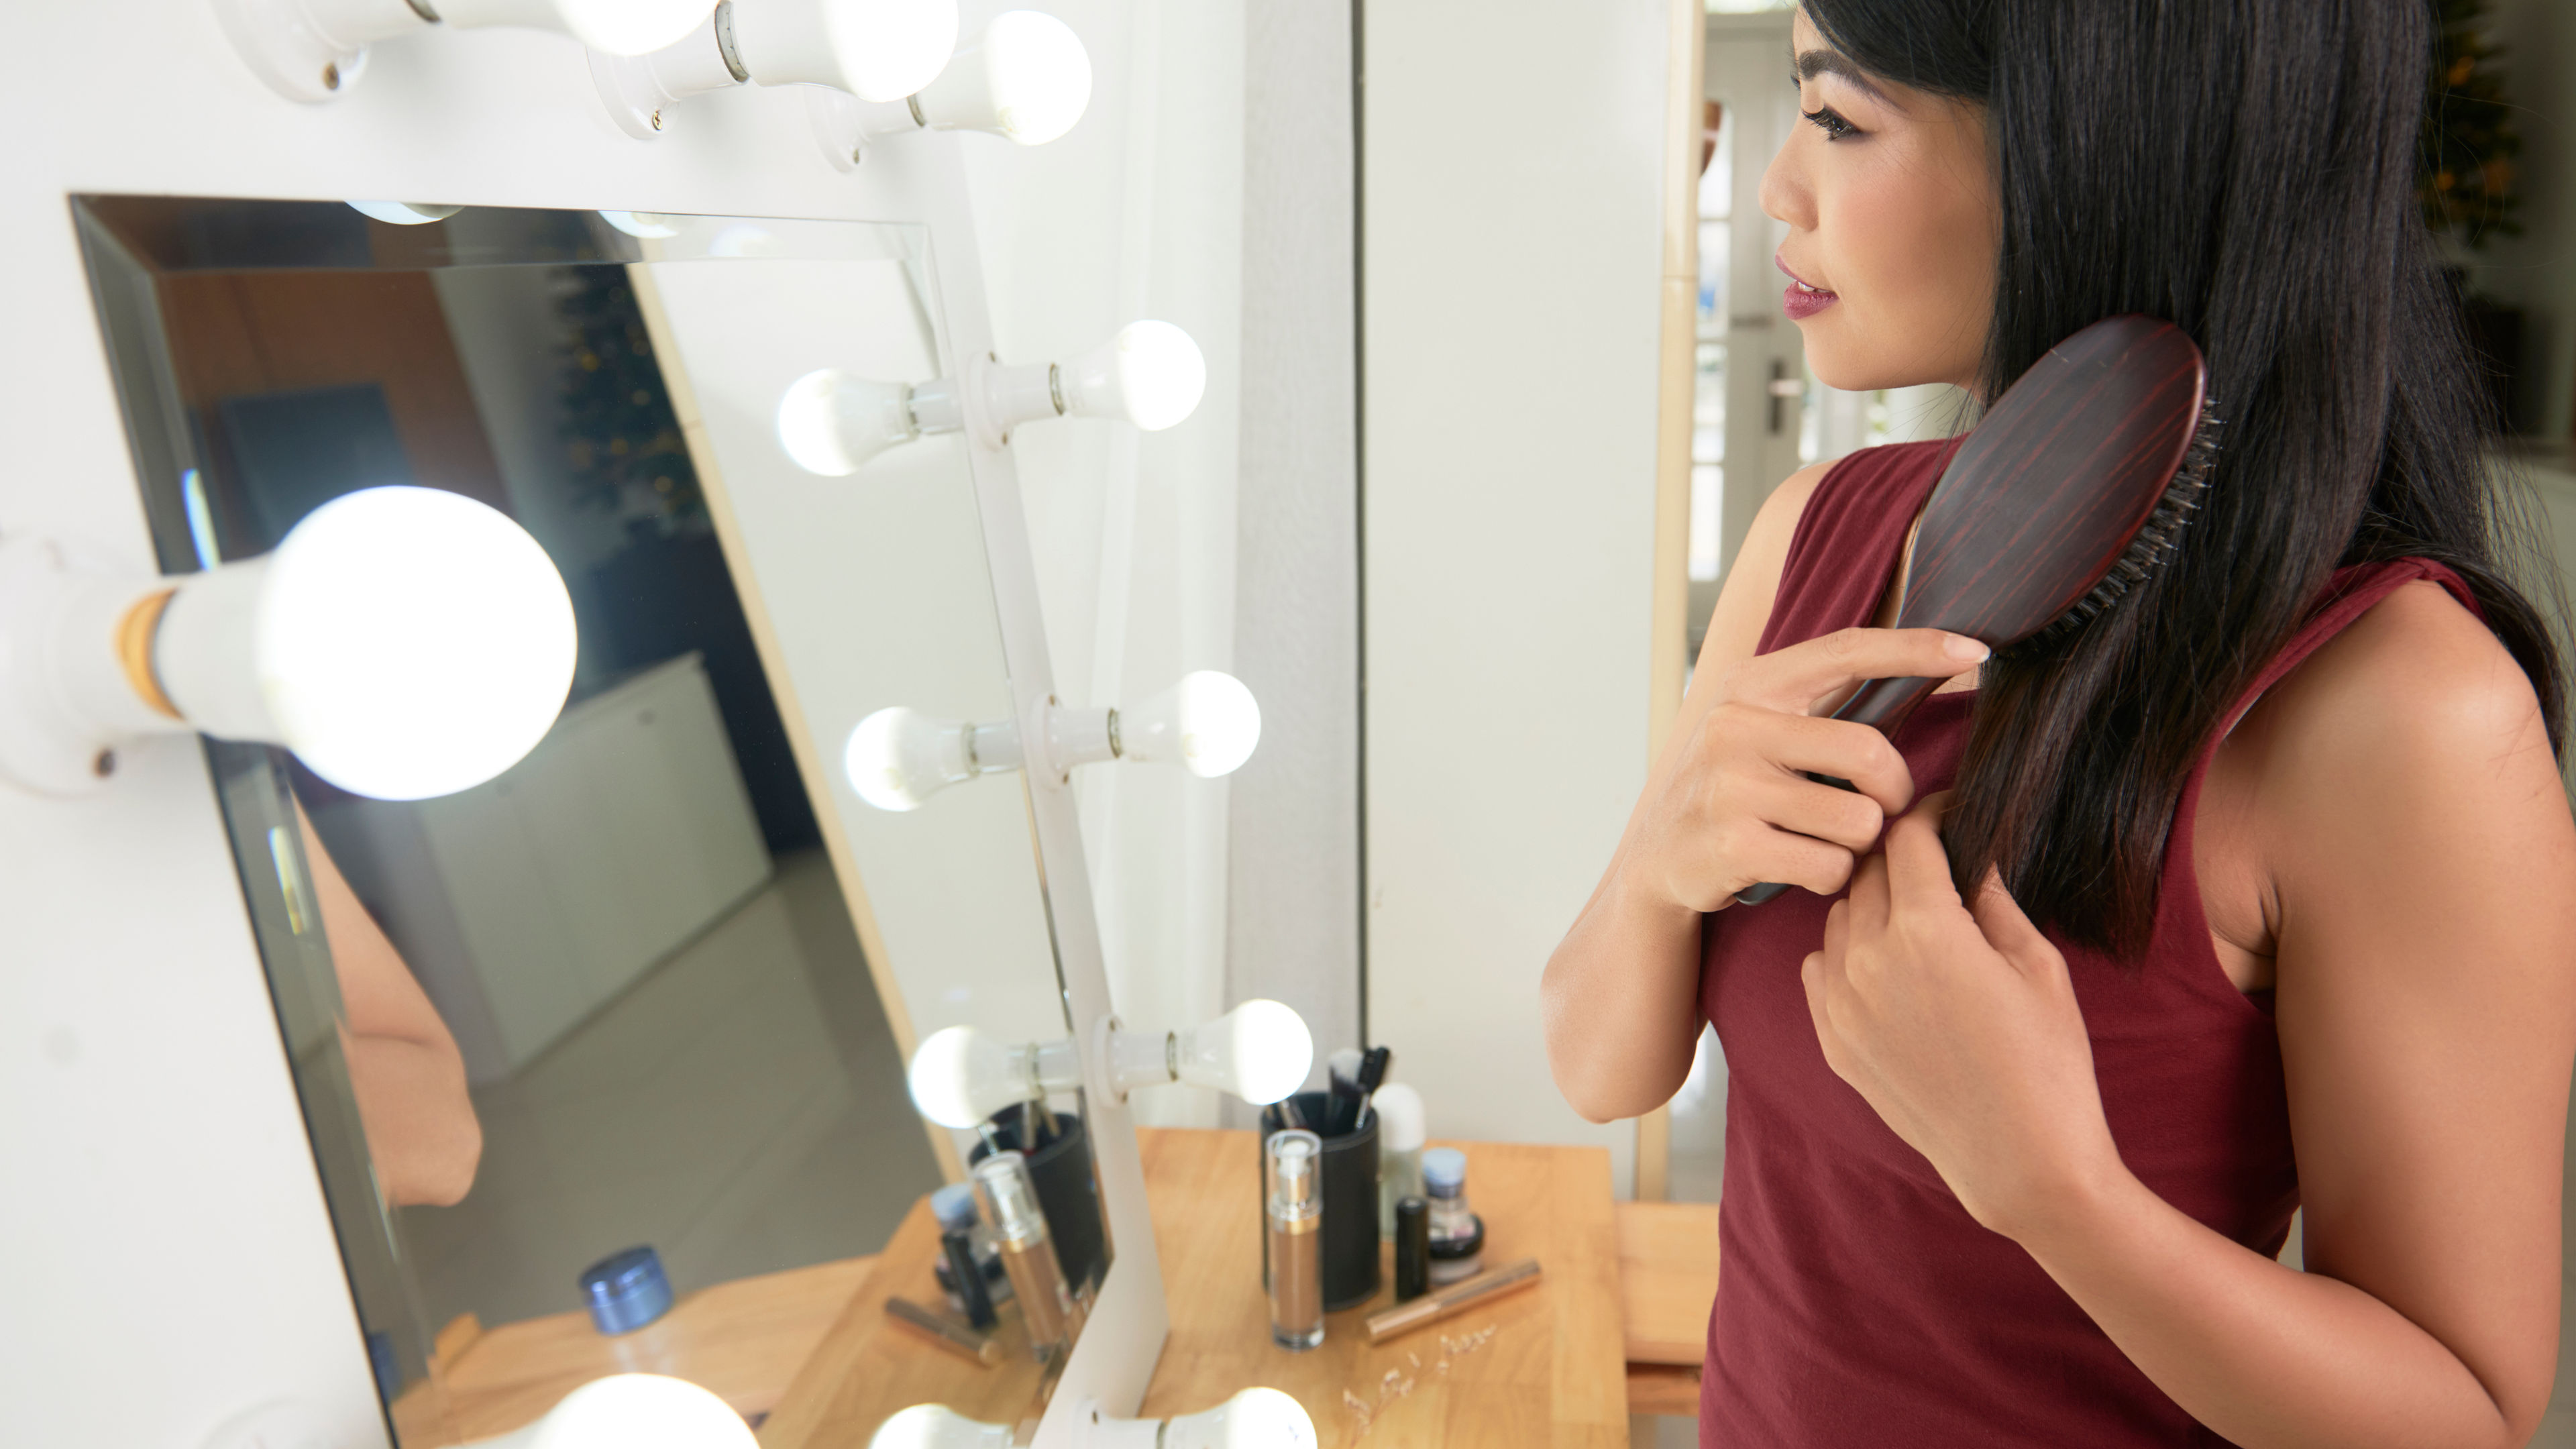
1512	164
148	1124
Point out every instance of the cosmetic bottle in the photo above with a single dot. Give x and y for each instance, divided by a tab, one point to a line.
954	1206
1400	1130
1412	1248
1457	1234
1294	1193
1010	1201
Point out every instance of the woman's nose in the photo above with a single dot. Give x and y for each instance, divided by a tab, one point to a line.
1784	190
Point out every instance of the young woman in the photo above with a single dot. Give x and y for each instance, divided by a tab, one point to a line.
2259	893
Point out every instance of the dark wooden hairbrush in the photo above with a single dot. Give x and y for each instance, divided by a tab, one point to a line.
2074	485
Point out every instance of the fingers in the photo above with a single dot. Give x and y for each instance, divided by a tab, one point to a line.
1918	866
1790	679
2000	920
1838	748
1870	899
1795	803
1791	858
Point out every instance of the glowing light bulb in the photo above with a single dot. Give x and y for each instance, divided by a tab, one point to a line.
633	1411
406	642
315	50
1259	1418
936	1426
404	213
612	27
1260	1051
960	1077
898	758
1024	76
1151	374
1207	722
877	50
832	422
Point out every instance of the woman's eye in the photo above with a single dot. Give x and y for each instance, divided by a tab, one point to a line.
1832	124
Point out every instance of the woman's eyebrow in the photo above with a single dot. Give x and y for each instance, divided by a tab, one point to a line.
1813	63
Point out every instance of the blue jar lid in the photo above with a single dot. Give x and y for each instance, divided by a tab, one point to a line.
954	1205
626	1290
1444	1171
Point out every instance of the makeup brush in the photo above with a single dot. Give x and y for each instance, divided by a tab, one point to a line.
2075	485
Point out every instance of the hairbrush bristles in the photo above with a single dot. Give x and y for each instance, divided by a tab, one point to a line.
2157	538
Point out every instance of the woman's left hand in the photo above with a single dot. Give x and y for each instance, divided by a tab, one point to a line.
1959	1025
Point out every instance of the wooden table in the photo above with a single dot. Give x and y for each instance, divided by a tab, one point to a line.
1667	1282
1551	1371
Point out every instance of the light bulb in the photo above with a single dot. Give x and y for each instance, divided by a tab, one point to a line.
960	1077
1207	722
936	1426
1025	76
633	1411
832	422
1258	1418
406	642
1260	1051
643	225
898	758
872	50
404	213
1151	374
315	50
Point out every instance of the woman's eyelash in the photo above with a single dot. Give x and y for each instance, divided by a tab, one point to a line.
1827	120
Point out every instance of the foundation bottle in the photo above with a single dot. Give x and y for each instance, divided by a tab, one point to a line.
1010	1201
1294	1195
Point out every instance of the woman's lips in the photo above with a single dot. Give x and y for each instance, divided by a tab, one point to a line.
1801	301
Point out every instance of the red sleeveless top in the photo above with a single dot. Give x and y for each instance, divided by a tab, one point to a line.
1859	1303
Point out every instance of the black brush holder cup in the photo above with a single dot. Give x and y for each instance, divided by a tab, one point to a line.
1061	1168
1350	1203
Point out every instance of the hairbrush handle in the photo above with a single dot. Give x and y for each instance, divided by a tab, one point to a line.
1882	704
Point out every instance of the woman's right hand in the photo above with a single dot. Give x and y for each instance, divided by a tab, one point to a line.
1735	806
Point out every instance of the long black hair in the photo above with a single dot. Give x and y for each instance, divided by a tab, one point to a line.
2244	169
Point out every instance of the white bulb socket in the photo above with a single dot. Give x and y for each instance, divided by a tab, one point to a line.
1151	375
1257	1418
961	1077
632	1411
1207	723
1261	1052
871	50
405	642
316	50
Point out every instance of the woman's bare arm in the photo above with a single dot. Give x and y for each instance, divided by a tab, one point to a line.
1725	805
404	1067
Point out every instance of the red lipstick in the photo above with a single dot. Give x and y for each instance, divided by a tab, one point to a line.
1800	300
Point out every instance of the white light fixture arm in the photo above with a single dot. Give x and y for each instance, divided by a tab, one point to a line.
69	691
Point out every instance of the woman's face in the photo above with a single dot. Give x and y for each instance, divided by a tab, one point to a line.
1893	225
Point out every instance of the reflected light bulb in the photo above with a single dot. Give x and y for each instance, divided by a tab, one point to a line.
1025	75
406	642
897	758
404	213
831	422
1208	722
936	1426
633	1411
1151	374
612	27
1259	1418
960	1077
642	225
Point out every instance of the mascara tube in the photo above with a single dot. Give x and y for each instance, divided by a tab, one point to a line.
1010	1200
1293	1163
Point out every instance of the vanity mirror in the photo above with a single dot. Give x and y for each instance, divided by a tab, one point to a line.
654	987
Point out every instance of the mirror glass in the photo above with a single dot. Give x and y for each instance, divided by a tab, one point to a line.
655	986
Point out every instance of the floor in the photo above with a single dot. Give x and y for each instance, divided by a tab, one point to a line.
741	1108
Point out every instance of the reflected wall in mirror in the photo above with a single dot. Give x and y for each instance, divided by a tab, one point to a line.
656	985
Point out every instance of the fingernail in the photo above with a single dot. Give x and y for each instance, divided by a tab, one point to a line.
1960	646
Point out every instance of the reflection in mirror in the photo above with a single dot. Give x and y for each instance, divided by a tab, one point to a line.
603	1059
